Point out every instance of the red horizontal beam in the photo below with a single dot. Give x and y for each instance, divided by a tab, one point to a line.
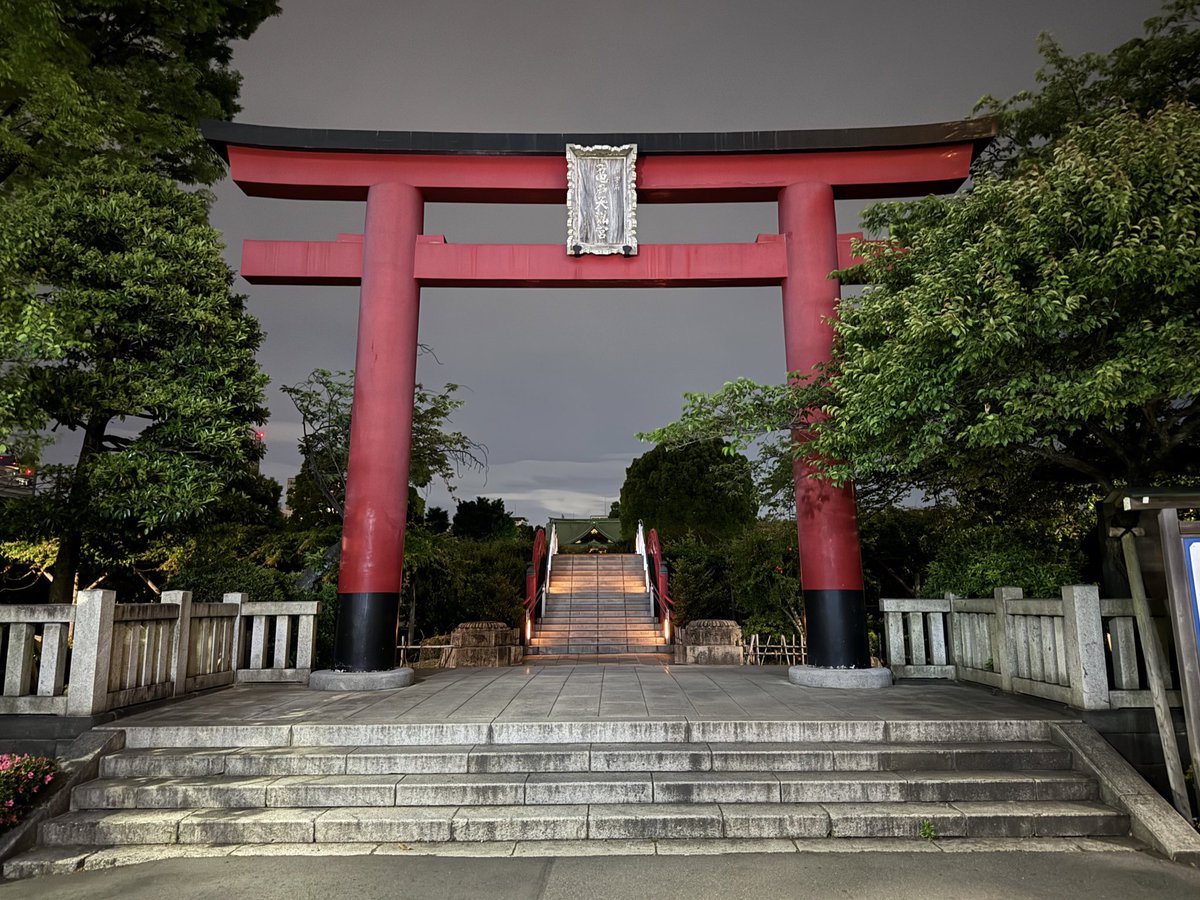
747	177
439	264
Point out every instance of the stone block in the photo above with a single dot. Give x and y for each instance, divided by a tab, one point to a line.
203	736
832	787
485	645
107	793
711	642
589	787
716	787
774	820
894	820
947	787
527	758
654	821
390	734
197	793
159	761
520	823
407	760
248	826
769	757
650	758
918	731
288	761
723	846
465	790
598	732
385	824
332	790
133	826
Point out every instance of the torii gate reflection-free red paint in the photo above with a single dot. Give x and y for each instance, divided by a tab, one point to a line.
396	173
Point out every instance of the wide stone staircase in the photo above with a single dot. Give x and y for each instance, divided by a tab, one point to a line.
363	784
597	603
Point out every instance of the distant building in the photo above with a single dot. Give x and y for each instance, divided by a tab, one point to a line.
594	534
16	480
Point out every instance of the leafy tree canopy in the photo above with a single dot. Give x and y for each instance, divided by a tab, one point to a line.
1041	322
1141	75
324	402
158	377
697	488
483	519
126	77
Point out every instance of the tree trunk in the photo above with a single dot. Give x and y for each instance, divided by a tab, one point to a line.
65	570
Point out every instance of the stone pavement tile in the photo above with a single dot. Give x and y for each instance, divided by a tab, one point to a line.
322	849
717	846
584	848
447	848
1001	845
865	845
47	861
132	856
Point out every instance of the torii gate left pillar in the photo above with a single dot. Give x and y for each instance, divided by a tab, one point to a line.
385	373
396	173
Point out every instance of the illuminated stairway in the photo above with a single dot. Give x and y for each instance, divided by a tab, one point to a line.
597	603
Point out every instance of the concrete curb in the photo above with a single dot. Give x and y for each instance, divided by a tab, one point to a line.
80	763
389	679
1153	821
816	677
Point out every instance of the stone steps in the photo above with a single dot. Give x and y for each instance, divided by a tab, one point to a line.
596	605
583	780
638	821
778	757
558	788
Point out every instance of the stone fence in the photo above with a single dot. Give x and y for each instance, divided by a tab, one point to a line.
1076	649
128	653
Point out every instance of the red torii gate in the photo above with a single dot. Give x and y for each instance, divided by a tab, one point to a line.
396	173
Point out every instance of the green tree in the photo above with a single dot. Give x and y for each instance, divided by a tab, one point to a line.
1050	315
1039	322
1142	74
129	78
158	379
483	519
324	403
698	488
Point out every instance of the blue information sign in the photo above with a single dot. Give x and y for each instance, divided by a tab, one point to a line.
1191	559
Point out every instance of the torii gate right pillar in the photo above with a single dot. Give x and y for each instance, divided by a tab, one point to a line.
826	521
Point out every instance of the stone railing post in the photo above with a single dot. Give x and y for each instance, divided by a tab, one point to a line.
91	654
183	638
1005	663
1083	631
235	648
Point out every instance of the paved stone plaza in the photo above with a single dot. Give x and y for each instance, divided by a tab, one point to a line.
581	692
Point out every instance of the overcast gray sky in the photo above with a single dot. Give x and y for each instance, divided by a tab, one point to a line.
558	382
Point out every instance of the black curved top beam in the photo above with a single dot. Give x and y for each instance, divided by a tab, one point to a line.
221	135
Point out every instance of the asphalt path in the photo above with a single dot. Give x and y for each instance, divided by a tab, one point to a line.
954	876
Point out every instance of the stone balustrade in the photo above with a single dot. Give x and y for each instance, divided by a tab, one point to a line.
123	654
1076	649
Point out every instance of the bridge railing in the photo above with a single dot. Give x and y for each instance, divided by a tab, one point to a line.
1076	649
122	654
660	597
537	577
